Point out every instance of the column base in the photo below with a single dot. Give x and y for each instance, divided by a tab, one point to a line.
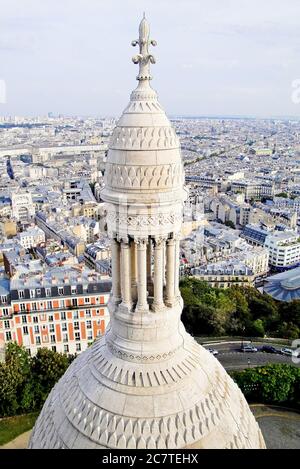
125	308
157	308
170	303
142	309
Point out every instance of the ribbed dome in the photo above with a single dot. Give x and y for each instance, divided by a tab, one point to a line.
106	401
147	383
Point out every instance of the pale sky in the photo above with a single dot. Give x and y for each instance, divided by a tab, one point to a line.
214	57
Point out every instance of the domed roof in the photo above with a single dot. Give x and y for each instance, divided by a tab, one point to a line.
107	401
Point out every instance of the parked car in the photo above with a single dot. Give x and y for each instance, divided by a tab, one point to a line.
289	352
213	351
248	348
269	349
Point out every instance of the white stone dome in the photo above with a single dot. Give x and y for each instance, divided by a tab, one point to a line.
146	383
186	400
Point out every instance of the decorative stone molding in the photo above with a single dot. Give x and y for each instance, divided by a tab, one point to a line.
136	221
143	138
144	177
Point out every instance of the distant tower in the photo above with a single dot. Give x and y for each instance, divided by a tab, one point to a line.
147	383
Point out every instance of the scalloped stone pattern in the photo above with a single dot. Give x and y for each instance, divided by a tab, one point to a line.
166	176
187	401
144	138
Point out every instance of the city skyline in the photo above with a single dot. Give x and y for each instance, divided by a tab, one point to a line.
245	57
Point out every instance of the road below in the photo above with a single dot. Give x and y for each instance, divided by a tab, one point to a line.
232	359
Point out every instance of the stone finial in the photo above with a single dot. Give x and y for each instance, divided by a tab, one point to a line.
144	58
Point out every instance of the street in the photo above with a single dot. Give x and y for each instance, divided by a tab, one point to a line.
232	359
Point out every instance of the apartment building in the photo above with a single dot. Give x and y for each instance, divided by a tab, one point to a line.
284	250
225	275
31	238
64	310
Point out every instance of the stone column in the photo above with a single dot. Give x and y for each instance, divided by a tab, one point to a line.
133	271
142	304
126	275
116	270
149	268
177	265
170	272
158	302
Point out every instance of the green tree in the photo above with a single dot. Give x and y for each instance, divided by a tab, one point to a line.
47	368
16	393
230	224
256	329
270	384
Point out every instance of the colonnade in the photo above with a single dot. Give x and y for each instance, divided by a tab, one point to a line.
145	272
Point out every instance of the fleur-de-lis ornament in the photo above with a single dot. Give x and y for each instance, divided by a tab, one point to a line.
144	58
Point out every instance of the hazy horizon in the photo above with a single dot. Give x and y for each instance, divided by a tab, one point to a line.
214	58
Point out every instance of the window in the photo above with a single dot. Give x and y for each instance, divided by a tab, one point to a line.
22	307
24	319
38	340
76	326
64	326
6	324
73	290
49	304
87	300
36	329
35	319
48	291
53	348
8	336
61	303
32	293
33	306
66	348
50	318
89	335
60	290
75	315
77	335
78	348
63	316
5	312
38	292
52	338
74	301
88	324
51	328
25	330
65	338
88	313
4	298
21	294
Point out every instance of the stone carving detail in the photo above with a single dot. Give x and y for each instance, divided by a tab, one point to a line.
142	358
140	221
144	138
144	177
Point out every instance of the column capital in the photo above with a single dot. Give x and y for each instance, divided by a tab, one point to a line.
159	241
141	242
124	240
